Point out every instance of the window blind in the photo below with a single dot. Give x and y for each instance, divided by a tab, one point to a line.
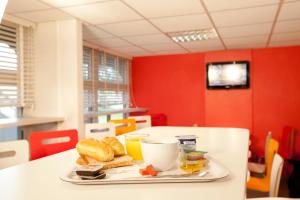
16	66
28	78
9	70
106	81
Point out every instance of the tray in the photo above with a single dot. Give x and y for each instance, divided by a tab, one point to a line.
130	175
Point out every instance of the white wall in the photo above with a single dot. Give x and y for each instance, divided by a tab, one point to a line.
58	73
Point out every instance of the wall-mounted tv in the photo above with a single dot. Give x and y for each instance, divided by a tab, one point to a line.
228	75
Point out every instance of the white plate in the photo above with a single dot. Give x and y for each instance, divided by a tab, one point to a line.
130	175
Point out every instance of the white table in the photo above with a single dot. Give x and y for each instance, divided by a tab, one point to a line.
39	179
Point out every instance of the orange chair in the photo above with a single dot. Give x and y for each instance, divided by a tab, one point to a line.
124	125
263	184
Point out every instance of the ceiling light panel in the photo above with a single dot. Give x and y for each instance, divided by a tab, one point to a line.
290	10
103	12
245	16
194	35
163	8
181	23
15	6
140	27
203	45
217	5
92	32
44	15
248	30
65	3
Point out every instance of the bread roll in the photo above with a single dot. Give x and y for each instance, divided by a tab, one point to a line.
115	145
96	149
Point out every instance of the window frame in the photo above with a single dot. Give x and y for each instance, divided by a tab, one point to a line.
94	114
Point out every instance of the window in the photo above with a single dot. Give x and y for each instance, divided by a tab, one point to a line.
16	73
106	84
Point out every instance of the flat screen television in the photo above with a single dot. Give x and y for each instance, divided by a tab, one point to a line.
227	75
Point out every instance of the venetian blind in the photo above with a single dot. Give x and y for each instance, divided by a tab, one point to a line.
106	81
16	65
9	69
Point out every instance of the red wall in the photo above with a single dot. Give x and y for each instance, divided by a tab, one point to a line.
175	85
276	92
228	108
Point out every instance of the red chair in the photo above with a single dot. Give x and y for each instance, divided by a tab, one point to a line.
286	150
51	142
158	119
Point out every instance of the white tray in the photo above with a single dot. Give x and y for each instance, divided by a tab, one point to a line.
130	175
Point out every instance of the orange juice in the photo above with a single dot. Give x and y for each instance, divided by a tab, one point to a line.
133	146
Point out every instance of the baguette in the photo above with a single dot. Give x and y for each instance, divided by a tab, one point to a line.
95	149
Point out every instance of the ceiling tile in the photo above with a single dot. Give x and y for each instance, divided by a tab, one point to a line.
64	3
105	12
92	32
248	30
287	26
177	51
140	27
246	40
149	39
284	43
44	15
130	49
182	23
140	54
112	42
14	6
290	10
245	16
247	46
162	47
203	45
286	36
159	8
217	5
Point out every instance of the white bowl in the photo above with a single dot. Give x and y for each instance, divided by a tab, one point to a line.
160	153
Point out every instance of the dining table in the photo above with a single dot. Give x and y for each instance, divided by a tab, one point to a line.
40	179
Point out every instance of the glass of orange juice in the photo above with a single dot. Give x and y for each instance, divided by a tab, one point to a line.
133	145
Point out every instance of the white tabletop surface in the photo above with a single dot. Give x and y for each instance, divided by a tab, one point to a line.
39	179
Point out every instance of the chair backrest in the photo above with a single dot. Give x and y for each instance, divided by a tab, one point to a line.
124	125
286	149
142	121
272	150
13	153
100	130
276	175
268	138
51	142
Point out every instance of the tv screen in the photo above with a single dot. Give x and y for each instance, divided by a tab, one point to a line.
227	75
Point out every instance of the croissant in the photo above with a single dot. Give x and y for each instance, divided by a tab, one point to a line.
96	149
115	145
